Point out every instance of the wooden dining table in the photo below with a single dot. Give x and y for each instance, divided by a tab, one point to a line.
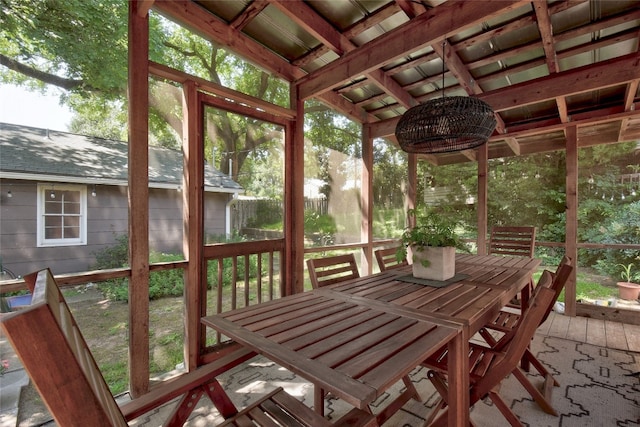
357	338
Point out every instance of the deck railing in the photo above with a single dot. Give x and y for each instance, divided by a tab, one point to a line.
241	274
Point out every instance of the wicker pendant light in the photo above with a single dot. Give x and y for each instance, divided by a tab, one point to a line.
445	124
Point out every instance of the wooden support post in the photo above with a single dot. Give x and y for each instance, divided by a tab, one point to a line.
412	184
483	171
571	214
294	199
195	289
366	198
138	200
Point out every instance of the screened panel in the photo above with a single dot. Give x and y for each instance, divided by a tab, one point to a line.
530	191
608	220
333	179
245	155
451	190
389	189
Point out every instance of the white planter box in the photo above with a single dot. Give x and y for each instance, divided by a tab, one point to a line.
442	263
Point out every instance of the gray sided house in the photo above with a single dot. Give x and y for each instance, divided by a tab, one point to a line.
63	198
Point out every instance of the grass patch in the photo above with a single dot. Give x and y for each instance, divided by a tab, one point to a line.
587	289
115	374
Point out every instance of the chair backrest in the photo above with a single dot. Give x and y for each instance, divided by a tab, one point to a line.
560	278
518	241
333	269
515	348
555	282
53	351
387	259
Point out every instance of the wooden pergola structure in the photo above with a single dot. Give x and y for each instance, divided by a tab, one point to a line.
560	75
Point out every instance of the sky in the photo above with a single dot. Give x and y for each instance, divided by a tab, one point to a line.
21	107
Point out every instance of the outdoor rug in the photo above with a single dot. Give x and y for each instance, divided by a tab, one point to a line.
597	388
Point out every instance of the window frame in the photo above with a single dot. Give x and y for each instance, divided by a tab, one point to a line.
43	192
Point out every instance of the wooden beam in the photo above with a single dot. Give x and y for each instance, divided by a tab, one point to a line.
359	27
386	128
192	16
546	34
513	145
165	72
470	154
422	31
457	68
144	7
138	200
579	80
630	95
313	23
252	10
463	76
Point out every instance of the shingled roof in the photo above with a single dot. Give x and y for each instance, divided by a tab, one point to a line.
34	153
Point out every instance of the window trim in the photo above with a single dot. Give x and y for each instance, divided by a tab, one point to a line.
43	190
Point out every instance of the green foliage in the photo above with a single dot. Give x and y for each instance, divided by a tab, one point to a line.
388	223
431	229
164	283
589	291
115	375
83	44
115	256
390	175
620	225
320	228
627	273
168	352
267	212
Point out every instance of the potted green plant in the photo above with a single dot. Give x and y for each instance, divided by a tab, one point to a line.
627	288
433	242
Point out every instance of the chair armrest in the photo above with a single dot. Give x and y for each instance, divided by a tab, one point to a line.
178	386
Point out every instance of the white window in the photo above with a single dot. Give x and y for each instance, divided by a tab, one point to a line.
62	215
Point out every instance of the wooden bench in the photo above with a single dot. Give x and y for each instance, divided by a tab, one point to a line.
54	353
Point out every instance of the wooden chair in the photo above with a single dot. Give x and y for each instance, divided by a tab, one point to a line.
507	323
55	355
488	367
515	241
387	259
333	269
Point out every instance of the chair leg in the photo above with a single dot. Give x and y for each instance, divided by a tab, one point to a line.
411	389
432	415
540	367
318	399
440	384
504	409
410	392
540	399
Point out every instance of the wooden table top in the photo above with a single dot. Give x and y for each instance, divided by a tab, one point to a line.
353	347
357	338
491	282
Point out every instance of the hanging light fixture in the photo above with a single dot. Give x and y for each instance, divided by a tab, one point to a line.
445	124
